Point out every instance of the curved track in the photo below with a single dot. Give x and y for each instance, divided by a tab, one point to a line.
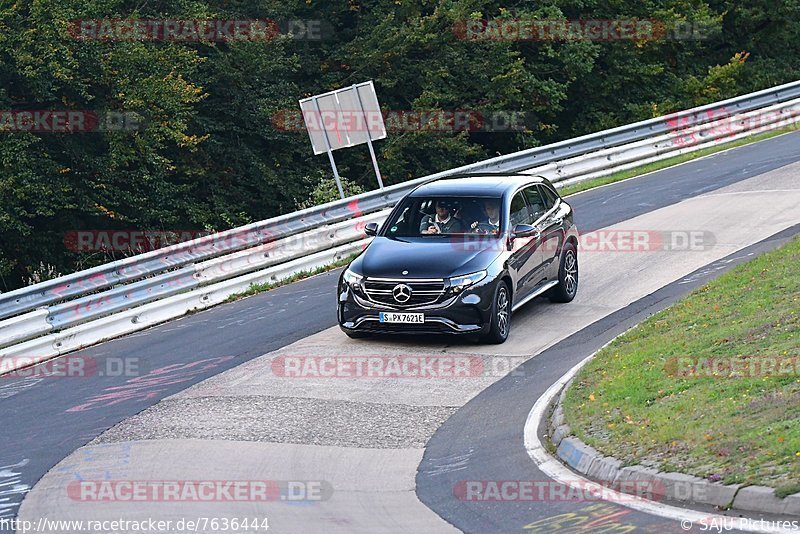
363	436
496	452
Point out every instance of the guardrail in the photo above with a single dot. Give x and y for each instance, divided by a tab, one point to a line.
126	270
137	292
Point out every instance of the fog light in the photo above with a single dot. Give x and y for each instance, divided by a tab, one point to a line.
471	299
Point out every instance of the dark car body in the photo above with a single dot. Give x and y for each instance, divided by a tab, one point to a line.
536	226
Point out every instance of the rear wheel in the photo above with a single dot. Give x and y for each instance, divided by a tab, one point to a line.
567	286
500	315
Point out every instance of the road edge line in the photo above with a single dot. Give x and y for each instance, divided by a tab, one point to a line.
553	468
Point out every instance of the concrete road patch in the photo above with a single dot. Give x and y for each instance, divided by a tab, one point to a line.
251	419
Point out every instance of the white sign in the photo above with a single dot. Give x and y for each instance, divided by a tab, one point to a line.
343	118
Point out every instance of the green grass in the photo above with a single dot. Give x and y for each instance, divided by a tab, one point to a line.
629	402
255	289
669	162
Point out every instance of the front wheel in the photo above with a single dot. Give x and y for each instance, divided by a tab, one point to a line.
501	315
567	286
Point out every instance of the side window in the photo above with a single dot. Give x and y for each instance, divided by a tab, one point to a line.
519	211
403	222
549	195
536	202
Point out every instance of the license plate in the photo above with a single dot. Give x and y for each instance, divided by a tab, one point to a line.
400	317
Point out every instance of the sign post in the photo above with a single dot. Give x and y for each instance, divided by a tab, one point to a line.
369	138
330	153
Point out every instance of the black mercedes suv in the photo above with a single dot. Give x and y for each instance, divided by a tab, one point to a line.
459	255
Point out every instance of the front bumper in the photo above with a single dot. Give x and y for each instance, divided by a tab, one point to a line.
467	312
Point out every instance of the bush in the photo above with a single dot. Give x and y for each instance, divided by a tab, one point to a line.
326	191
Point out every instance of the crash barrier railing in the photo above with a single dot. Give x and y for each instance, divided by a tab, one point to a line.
140	266
83	308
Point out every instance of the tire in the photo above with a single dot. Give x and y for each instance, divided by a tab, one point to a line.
567	286
500	325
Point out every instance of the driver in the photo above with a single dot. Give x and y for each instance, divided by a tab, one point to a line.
491	224
441	223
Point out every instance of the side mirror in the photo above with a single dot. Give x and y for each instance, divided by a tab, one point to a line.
524	230
371	228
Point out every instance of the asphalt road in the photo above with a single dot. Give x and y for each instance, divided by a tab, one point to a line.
46	419
465	448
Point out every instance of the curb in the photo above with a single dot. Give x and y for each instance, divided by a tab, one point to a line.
671	486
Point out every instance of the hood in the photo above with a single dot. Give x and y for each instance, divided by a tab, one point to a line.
427	257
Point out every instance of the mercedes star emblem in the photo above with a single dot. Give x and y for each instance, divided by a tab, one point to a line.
401	293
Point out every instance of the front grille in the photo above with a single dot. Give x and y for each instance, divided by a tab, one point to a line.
423	292
427	328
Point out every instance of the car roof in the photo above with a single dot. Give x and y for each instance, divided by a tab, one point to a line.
488	184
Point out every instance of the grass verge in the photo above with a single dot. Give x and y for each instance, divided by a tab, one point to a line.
669	162
255	289
663	394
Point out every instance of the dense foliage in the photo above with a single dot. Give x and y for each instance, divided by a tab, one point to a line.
209	155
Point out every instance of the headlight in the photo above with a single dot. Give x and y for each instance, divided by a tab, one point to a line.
461	282
352	279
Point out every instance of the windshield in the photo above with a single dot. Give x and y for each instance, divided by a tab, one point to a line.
442	216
